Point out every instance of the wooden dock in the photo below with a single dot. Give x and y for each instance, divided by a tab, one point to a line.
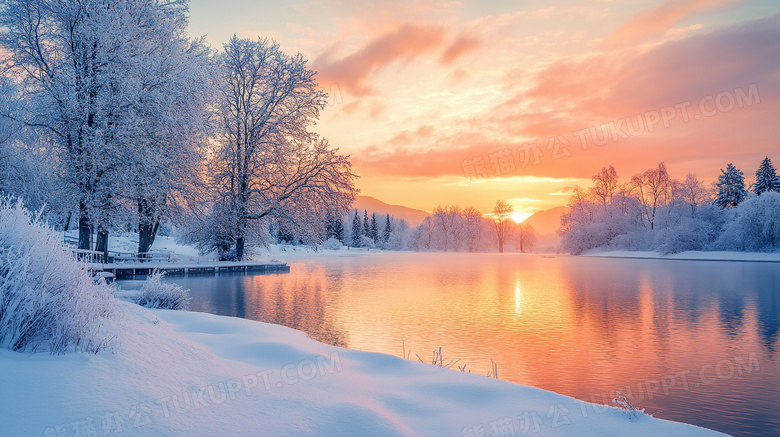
130	270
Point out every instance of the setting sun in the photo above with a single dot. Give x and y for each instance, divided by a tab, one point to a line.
433	217
518	217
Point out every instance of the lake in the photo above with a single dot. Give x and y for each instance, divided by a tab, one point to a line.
696	339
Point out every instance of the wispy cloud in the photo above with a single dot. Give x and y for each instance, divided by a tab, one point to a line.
353	72
658	20
458	48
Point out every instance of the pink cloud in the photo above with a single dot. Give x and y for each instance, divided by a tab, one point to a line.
353	72
461	46
572	95
657	20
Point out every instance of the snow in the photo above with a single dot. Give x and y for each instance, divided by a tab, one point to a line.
689	255
186	373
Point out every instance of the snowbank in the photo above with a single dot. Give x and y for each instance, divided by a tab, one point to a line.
690	255
185	373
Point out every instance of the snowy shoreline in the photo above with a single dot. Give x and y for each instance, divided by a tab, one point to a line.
187	373
689	256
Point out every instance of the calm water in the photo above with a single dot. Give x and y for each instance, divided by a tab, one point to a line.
698	340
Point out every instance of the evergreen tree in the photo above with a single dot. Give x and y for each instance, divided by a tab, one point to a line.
766	178
338	229
356	232
366	224
334	229
374	228
731	187
388	229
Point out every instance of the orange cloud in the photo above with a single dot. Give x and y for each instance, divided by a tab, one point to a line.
353	72
593	92
461	46
657	20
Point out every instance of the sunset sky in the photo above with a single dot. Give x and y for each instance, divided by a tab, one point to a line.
425	92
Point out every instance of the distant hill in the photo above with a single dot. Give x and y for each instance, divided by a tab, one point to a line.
413	216
546	224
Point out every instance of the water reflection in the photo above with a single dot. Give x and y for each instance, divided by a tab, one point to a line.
579	326
297	301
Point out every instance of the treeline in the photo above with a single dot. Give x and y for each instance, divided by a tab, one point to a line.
449	228
653	211
111	117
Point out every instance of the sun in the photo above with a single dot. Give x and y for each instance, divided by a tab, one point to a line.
518	217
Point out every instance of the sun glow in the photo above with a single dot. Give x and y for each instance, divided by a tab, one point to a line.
518	217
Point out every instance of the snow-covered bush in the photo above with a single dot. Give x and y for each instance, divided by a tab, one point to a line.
755	226
158	294
367	242
332	244
48	300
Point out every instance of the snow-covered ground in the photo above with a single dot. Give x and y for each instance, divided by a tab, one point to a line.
690	255
187	373
185	253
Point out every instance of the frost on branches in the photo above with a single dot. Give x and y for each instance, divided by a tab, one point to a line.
669	216
115	86
766	178
48	300
731	187
268	167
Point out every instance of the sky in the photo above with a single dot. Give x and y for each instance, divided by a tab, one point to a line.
443	102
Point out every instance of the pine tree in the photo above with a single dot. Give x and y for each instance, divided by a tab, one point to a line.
356	232
731	187
335	228
388	229
338	229
366	225
374	228
766	178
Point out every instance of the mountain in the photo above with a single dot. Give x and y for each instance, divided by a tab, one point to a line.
548	221
413	216
546	224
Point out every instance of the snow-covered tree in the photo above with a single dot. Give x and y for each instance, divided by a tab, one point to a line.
447	227
335	228
653	189
82	64
366	224
502	216
755	226
692	191
171	127
374	228
731	187
766	178
605	185
357	230
387	230
267	161
526	237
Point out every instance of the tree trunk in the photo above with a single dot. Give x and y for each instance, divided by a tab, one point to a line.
240	248
67	221
145	237
147	226
85	230
101	245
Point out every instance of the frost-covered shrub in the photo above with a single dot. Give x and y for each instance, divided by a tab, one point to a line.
690	234
755	225
598	227
157	294
48	300
366	242
332	244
